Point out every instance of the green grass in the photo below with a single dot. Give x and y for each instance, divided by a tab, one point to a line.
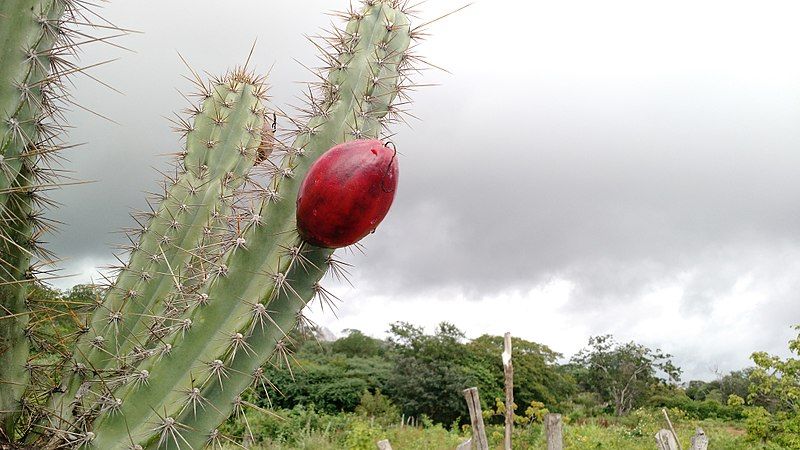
303	428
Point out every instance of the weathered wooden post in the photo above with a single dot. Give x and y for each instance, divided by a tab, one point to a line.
672	429
508	371
665	440
247	441
700	440
466	445
552	426
479	441
384	445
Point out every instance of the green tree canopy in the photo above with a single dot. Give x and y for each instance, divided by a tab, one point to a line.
428	374
537	376
776	381
623	374
357	343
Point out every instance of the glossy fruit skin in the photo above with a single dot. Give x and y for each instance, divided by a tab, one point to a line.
347	193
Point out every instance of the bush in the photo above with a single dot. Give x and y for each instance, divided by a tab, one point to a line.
586	404
781	428
378	407
700	410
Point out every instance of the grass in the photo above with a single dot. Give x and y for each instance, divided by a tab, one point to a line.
633	432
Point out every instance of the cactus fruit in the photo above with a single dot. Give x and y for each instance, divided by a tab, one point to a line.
347	193
213	286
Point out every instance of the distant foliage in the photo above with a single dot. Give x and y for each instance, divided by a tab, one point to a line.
429	372
775	384
358	344
330	382
734	383
537	376
378	406
414	374
698	409
623	374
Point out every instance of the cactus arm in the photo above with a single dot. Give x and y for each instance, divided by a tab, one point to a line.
263	271
16	257
242	367
212	173
28	31
221	148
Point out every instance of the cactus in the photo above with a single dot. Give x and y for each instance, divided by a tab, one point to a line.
144	305
211	289
29	33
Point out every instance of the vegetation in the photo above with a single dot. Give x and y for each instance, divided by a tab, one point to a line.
353	391
303	428
622	374
359	385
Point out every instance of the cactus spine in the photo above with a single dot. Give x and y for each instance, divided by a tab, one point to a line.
210	290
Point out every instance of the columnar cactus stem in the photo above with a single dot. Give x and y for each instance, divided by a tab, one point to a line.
28	31
142	306
217	160
16	252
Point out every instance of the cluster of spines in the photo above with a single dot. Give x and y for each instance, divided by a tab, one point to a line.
39	43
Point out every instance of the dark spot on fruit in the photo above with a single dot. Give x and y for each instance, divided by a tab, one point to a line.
374	152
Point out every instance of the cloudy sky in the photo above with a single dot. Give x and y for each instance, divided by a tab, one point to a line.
625	167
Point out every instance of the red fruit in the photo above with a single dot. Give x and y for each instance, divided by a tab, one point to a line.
347	193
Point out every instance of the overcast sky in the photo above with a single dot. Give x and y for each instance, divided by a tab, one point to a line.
625	167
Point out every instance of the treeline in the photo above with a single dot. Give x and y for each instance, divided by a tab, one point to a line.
415	374
420	374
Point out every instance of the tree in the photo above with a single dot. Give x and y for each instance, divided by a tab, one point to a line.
623	374
776	381
357	343
537	376
735	383
428	374
775	384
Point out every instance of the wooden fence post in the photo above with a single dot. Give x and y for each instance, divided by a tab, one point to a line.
672	429
384	445
666	440
466	445
508	371
552	426
479	441
700	440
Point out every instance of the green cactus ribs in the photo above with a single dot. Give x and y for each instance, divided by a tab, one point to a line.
177	248
37	41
